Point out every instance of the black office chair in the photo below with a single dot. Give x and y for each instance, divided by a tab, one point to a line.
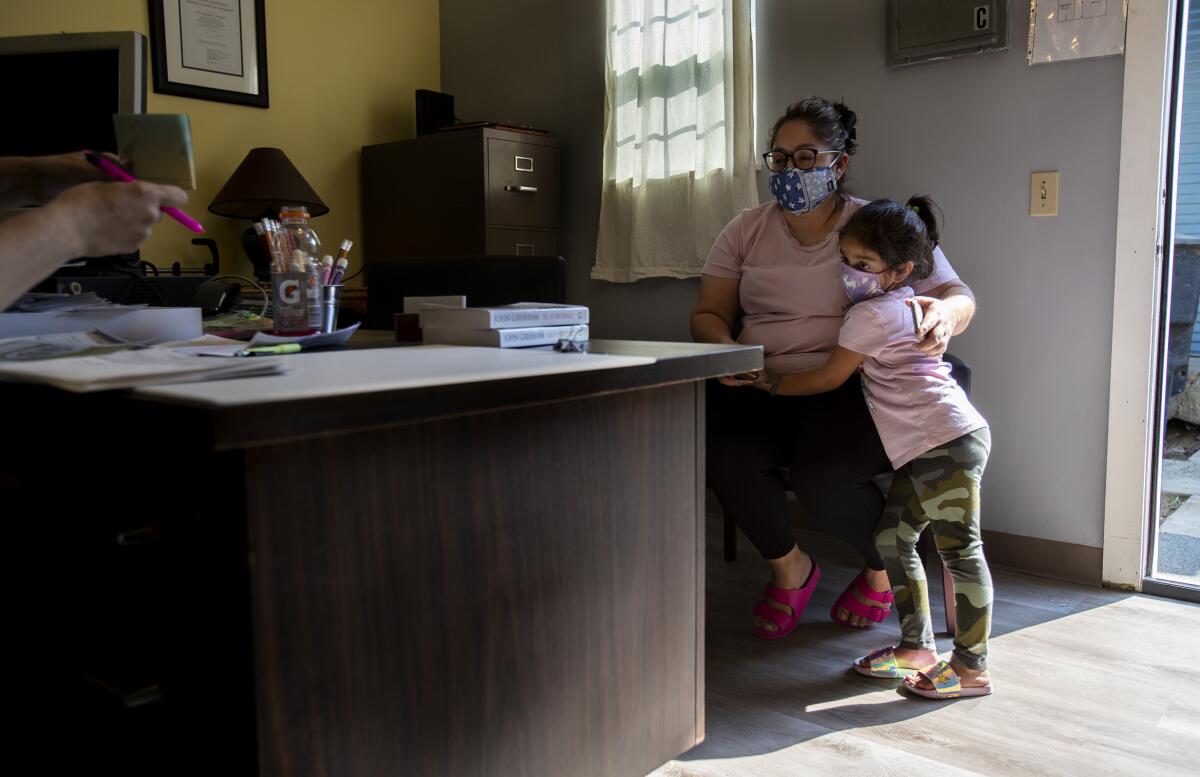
961	372
485	280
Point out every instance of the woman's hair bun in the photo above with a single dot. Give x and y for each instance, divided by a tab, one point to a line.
849	120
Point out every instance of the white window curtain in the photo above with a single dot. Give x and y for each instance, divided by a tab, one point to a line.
678	134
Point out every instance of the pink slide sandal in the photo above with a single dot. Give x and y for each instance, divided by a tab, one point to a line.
795	598
849	602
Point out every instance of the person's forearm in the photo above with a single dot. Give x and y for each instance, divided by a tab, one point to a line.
961	303
18	182
710	328
33	245
799	384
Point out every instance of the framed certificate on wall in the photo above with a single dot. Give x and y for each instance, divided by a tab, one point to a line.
210	50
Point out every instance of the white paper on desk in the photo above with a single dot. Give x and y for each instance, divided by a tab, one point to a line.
37	347
65	303
131	368
133	324
207	345
336	337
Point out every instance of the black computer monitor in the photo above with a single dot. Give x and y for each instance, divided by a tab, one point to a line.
60	91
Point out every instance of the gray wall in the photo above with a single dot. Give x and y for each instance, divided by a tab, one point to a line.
968	131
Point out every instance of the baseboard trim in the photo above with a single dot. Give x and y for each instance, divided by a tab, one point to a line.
1044	558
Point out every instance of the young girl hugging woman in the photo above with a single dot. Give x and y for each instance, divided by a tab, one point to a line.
937	442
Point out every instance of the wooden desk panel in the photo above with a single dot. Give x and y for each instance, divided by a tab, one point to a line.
501	594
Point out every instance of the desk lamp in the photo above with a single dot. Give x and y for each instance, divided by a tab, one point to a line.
265	181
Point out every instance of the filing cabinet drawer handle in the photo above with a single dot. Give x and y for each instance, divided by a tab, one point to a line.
528	189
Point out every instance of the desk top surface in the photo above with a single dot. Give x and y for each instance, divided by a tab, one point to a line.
367	387
346	373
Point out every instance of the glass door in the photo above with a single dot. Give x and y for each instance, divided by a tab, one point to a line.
1174	544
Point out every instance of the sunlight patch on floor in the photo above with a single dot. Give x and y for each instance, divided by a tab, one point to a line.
888	695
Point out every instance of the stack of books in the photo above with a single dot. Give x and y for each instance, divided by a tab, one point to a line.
506	326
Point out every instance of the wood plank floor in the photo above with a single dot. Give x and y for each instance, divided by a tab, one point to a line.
1088	682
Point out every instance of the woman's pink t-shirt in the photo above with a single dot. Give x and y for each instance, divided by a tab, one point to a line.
790	293
914	402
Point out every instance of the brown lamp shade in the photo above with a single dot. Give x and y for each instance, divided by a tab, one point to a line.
265	181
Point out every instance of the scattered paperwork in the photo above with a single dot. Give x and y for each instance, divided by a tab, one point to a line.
95	361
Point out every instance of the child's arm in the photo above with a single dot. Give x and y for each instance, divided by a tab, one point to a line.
840	365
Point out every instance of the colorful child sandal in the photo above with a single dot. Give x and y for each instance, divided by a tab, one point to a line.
946	684
795	598
881	664
850	603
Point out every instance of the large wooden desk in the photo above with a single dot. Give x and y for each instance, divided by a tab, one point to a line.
499	577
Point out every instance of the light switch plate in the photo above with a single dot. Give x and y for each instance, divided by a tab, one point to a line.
1043	193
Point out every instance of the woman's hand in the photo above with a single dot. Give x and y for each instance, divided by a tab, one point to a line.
938	324
100	219
751	378
53	175
35	180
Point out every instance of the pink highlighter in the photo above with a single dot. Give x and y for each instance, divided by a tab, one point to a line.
117	173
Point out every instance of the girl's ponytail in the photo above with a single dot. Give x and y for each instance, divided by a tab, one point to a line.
924	207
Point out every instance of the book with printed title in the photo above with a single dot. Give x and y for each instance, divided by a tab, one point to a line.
520	314
515	337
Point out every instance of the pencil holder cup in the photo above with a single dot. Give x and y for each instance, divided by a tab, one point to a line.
331	301
290	306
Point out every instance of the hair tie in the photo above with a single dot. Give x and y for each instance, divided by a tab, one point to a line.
914	209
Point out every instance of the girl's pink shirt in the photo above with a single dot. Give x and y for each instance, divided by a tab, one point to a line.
915	403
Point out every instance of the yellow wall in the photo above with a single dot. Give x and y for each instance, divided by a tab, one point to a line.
341	75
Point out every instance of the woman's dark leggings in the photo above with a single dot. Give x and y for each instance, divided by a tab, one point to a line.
828	442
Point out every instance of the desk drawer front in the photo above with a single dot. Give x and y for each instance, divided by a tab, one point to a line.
522	184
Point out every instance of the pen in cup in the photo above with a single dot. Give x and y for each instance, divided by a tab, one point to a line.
342	262
117	173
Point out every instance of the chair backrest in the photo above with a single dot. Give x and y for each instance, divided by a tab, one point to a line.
960	371
485	280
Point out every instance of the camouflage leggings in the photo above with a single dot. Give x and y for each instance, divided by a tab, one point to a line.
940	487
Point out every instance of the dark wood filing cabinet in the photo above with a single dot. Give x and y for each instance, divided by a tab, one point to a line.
482	190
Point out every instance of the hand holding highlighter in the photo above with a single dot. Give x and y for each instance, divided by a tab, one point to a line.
116	173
